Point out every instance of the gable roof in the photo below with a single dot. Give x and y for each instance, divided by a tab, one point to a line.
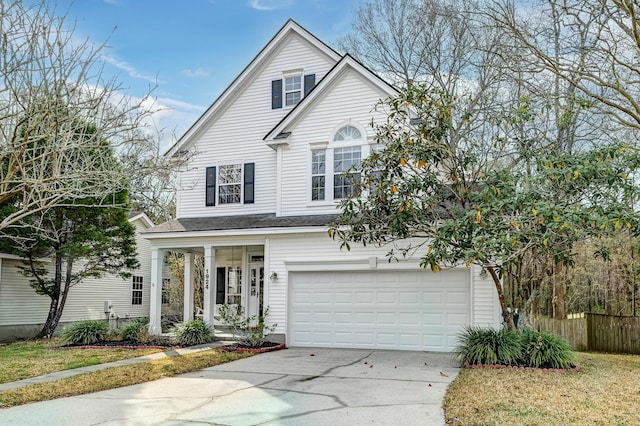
256	64
278	134
142	217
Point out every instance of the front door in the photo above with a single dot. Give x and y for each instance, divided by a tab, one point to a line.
256	289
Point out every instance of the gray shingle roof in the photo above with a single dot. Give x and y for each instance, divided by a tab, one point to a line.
255	221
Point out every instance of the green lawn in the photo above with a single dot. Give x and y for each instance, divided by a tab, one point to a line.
25	359
115	377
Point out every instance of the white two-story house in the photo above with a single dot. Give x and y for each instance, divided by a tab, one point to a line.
262	185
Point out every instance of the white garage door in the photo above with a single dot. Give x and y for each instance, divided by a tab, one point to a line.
378	310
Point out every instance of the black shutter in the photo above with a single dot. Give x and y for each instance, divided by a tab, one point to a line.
276	94
249	189
211	186
309	83
221	280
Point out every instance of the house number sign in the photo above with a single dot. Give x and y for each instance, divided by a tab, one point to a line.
206	279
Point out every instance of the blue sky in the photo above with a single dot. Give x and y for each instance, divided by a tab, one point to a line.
193	49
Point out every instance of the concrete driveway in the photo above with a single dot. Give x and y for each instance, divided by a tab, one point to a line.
298	386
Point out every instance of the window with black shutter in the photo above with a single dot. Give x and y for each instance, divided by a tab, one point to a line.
276	94
249	189
211	186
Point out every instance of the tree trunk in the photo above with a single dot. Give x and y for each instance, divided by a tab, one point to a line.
506	315
58	301
558	293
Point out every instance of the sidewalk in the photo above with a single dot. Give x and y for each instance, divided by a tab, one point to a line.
74	372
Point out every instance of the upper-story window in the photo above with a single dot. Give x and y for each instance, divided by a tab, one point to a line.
344	159
230	184
292	90
292	87
345	155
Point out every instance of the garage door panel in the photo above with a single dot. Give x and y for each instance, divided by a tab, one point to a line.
387	310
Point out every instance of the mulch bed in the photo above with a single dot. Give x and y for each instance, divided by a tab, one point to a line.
122	344
266	347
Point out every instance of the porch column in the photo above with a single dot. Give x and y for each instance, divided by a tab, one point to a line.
188	287
209	284
155	303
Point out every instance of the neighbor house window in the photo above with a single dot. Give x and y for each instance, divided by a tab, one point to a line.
292	90
136	290
318	163
166	286
343	159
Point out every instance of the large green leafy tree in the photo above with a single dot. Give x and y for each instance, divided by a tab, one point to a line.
80	239
452	200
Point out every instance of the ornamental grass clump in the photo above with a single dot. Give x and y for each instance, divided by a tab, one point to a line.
192	333
526	348
546	350
481	346
85	332
137	330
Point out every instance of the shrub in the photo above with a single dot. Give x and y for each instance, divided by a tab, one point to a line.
243	328
478	346
85	332
192	333
545	350
137	329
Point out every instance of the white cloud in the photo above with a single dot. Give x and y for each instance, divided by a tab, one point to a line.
129	69
170	119
271	4
198	72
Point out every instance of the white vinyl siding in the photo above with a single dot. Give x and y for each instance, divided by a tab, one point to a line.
356	98
236	135
19	304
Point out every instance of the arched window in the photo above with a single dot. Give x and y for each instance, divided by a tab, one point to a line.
347	133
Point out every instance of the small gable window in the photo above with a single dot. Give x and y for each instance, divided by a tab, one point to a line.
230	184
292	88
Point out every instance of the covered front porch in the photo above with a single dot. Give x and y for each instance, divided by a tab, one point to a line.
231	272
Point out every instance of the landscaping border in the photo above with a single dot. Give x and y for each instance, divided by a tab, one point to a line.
233	348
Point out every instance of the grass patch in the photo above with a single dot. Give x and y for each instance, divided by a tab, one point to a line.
604	391
22	360
116	377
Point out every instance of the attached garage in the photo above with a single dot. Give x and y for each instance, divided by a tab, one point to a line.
405	310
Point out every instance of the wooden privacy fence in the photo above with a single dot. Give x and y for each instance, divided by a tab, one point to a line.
595	332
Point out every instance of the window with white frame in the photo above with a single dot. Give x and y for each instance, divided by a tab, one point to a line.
343	161
230	184
340	160
136	290
292	89
318	166
348	133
